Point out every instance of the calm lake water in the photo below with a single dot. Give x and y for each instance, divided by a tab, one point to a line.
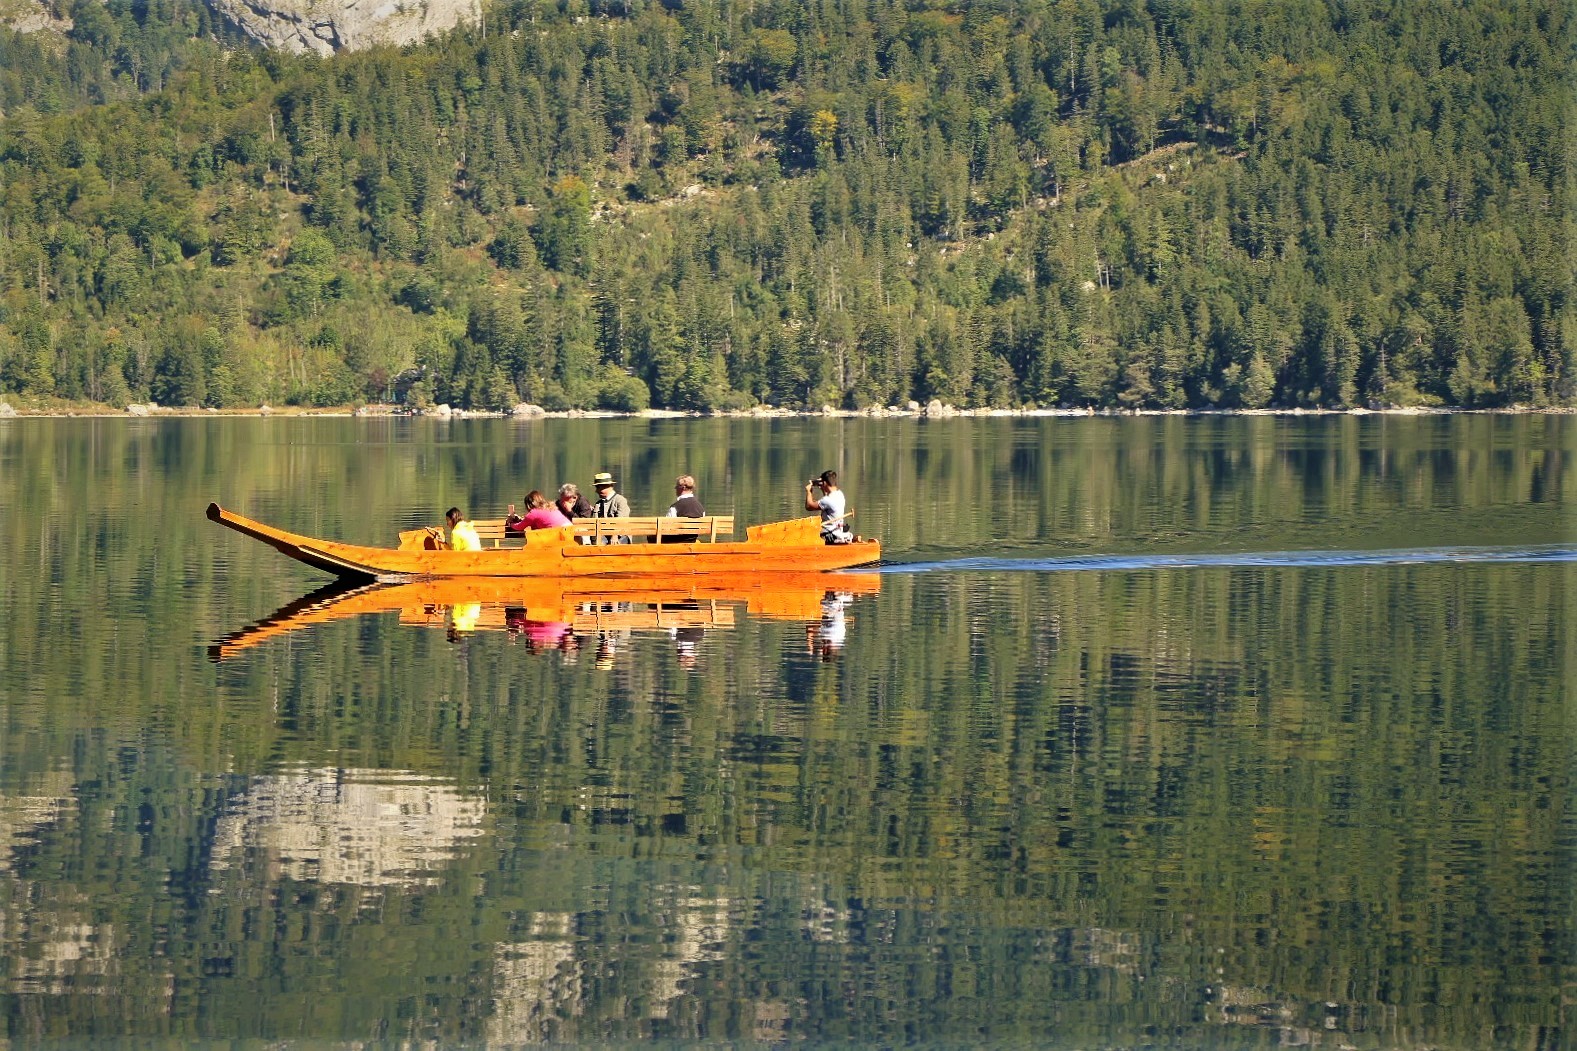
1207	732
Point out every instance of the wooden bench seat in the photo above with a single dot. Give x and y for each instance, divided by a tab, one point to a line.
492	533
657	529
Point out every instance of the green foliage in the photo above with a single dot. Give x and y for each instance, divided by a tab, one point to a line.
512	247
767	58
563	231
622	392
1148	206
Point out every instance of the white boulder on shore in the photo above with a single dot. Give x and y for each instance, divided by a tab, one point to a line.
525	410
6	410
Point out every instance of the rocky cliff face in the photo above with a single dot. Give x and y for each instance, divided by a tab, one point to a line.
31	16
326	26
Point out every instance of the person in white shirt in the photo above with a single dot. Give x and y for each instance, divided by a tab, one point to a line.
832	505
685	505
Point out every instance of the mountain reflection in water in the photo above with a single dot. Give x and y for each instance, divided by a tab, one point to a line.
365	827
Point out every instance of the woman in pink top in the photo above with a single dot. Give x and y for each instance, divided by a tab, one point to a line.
540	514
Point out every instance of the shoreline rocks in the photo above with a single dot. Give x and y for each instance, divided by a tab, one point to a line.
936	409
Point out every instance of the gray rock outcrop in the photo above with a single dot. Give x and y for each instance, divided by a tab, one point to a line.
327	26
323	26
32	16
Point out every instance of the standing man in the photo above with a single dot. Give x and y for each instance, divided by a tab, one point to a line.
834	529
610	504
685	505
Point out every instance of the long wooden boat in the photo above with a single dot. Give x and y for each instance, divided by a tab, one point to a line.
583	606
793	545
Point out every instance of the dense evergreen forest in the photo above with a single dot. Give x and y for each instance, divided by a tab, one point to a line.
711	205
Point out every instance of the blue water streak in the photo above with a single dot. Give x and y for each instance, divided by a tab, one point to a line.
1243	559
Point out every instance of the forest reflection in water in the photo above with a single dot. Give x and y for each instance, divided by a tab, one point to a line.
1221	804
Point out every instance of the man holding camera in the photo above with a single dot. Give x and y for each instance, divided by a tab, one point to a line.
834	527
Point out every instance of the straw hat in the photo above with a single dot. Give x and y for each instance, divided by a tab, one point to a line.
601	479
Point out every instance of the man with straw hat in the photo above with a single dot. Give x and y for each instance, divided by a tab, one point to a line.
610	504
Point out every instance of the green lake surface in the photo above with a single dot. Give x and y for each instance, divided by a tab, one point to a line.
1155	731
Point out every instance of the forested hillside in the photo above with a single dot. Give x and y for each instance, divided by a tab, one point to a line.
708	205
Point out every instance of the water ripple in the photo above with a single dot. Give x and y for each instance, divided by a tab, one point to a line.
1396	557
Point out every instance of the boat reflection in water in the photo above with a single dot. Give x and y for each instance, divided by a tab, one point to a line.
568	613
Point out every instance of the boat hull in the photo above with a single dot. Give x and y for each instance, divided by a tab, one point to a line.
794	545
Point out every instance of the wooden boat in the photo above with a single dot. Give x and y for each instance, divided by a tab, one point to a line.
793	545
570	606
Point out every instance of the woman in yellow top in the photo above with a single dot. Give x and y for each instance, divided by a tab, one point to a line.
462	534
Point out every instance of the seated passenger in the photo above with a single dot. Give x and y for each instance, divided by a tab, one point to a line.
540	514
610	504
571	503
685	505
462	534
574	505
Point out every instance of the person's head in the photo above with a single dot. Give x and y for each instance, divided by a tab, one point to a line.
684	484
828	480
569	492
535	499
603	483
452	516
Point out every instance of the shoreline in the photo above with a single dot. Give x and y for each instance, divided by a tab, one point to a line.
527	413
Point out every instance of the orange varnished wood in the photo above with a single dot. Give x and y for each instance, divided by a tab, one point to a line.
794	545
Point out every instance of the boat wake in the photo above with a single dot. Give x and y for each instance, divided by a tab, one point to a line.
1241	560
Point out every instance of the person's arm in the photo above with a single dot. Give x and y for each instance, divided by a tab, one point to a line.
673	510
810	499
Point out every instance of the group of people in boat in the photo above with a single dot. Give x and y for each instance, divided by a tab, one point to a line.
542	513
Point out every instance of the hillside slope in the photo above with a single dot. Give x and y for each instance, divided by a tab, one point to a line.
628	203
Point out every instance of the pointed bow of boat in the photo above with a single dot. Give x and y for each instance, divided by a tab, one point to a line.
304	549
